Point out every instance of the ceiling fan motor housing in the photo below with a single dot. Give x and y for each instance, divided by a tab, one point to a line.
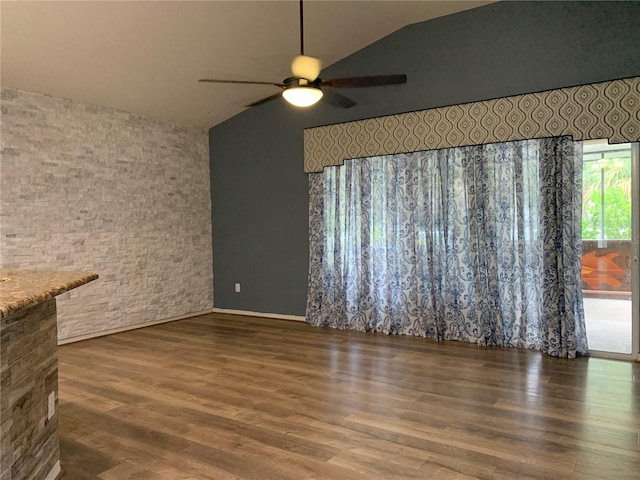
300	82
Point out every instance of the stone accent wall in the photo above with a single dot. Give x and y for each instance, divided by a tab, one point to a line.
87	188
29	373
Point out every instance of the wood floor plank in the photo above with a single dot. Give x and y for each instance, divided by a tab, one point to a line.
233	397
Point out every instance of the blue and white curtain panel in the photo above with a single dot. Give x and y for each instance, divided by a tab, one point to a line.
477	244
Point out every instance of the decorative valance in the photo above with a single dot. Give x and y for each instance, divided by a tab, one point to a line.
608	110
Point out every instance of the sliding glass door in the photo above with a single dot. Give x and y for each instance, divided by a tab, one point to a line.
610	248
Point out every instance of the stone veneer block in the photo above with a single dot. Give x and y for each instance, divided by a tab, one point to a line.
29	373
29	448
90	188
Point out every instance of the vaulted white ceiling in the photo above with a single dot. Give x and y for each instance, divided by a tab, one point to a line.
145	57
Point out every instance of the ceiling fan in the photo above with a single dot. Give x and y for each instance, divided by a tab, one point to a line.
305	88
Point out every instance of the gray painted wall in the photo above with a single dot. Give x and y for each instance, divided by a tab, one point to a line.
259	191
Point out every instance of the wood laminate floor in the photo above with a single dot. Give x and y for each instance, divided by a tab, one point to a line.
231	397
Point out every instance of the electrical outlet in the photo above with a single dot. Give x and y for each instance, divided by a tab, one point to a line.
237	288
51	405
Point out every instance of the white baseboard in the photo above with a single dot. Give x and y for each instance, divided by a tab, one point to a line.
54	472
246	313
129	327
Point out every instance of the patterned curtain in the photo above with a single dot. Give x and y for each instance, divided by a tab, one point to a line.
478	244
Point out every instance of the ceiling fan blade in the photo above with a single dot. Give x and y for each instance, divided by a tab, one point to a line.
264	100
371	81
337	100
304	66
245	82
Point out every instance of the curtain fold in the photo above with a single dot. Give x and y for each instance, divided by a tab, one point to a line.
479	244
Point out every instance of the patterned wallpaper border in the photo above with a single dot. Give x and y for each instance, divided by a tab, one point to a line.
600	110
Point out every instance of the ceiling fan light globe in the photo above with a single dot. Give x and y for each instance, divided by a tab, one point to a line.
302	96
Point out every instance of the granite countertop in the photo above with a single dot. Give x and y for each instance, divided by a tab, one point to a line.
23	288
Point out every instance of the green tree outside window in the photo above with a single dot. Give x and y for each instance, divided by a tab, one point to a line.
606	191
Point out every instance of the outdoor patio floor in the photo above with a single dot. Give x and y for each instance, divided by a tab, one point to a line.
608	324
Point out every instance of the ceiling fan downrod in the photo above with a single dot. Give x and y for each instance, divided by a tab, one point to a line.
301	29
